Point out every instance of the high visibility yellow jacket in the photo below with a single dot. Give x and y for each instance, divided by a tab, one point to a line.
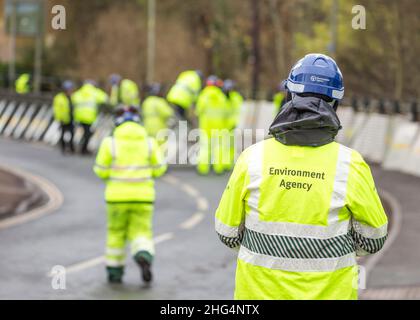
22	84
129	161
235	101
62	109
213	109
86	101
127	93
186	89
299	216
156	112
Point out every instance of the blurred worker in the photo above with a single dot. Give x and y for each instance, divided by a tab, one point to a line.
123	92
23	84
235	102
86	103
300	207
129	161
183	95
156	112
212	111
63	114
279	98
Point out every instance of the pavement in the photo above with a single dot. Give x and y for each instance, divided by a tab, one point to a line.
191	263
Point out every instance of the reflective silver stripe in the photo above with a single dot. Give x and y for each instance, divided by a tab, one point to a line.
142	244
297	265
338	197
115	252
255	174
102	167
253	222
370	232
226	230
149	149
130	179
113	149
86	104
115	167
114	263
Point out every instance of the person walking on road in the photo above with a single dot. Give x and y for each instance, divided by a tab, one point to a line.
86	102
156	112
129	161
300	207
63	114
212	112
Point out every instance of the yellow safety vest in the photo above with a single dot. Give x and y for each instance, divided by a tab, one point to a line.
156	112
127	93
86	101
62	110
186	89
213	109
299	216
129	161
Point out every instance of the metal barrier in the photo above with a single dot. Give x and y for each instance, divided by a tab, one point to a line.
30	118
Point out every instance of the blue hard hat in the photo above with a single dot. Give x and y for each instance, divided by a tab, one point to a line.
319	74
125	114
229	85
155	89
114	79
68	85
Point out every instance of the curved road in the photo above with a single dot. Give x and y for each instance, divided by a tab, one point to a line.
190	262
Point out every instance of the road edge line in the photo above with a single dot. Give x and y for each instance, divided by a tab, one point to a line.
55	198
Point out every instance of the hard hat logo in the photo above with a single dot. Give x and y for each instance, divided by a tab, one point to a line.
318	79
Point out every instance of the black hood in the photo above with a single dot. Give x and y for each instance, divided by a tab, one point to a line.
306	121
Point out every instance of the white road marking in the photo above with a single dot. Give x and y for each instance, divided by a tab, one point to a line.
396	217
190	190
171	179
202	204
101	259
163	237
192	221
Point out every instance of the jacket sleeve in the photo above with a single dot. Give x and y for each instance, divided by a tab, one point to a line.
200	105
103	162
369	227
230	215
157	161
165	110
57	108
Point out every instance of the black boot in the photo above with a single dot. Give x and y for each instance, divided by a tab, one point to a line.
115	274
144	261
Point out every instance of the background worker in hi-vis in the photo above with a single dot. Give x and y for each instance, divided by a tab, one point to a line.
299	206
129	161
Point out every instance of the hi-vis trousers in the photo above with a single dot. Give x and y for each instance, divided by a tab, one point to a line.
129	223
